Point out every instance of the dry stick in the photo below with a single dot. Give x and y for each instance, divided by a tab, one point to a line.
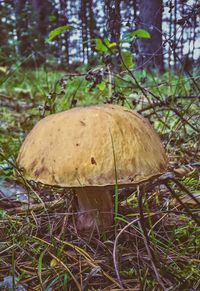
177	113
8	202
184	120
161	180
169	176
189	74
185	111
165	179
70	75
163	103
67	269
184	97
183	205
147	242
142	220
88	258
144	91
115	261
183	188
36	207
166	102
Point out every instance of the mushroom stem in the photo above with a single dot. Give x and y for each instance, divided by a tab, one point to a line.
96	208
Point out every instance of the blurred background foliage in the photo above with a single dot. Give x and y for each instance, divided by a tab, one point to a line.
25	25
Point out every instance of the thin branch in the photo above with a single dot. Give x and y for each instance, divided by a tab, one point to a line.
182	204
147	242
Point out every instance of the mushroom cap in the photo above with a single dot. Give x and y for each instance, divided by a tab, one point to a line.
87	146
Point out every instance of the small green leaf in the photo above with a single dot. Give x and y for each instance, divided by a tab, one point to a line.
99	46
110	44
104	45
101	86
127	58
58	30
139	33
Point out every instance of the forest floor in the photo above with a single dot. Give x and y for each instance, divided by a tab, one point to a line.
40	246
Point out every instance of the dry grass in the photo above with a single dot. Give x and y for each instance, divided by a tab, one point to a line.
41	245
154	246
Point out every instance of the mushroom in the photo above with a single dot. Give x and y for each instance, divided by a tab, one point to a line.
87	148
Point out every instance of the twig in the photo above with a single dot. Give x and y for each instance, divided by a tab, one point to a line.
167	101
147	242
8	202
28	208
183	204
115	260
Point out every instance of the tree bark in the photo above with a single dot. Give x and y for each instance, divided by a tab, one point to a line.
63	20
150	50
84	22
113	19
3	38
22	28
113	27
40	14
92	25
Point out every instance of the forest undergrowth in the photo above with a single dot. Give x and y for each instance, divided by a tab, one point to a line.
155	245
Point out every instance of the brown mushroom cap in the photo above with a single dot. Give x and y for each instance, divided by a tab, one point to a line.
76	148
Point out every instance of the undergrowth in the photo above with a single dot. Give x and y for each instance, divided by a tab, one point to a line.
40	246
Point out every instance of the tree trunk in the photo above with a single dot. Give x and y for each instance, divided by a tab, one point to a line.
150	50
22	28
3	37
113	19
84	22
63	20
92	25
113	27
40	14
